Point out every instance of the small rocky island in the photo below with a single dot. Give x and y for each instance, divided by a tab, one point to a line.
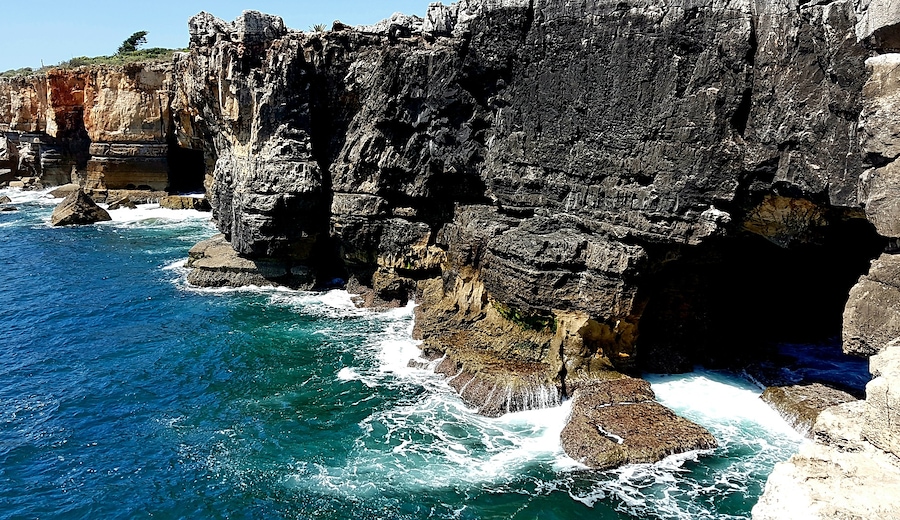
572	194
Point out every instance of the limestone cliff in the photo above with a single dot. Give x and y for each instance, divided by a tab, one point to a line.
102	127
851	468
569	190
572	189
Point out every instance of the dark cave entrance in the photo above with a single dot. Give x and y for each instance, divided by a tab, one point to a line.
729	302
187	170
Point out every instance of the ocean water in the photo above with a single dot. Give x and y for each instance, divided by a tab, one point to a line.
125	393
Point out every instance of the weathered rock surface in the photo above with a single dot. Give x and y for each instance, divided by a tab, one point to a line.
872	314
618	422
184	202
5	200
78	209
837	476
881	422
120	203
216	264
493	158
801	405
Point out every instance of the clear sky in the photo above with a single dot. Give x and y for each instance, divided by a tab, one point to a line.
56	30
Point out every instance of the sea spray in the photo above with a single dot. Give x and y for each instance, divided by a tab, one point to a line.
125	392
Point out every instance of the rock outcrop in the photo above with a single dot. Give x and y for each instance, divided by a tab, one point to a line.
185	202
838	475
215	263
493	160
78	209
801	405
565	190
618	422
569	190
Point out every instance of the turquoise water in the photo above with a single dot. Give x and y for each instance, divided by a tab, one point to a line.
124	393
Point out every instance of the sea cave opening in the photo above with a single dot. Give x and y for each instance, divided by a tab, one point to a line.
187	169
734	302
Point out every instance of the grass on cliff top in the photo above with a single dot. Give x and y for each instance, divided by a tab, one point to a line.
155	54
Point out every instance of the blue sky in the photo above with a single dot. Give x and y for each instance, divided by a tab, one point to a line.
53	30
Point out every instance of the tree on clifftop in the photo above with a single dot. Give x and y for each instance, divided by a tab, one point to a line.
133	42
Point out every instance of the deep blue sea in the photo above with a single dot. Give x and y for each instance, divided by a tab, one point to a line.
125	393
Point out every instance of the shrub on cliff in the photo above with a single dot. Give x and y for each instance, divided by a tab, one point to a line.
132	43
139	56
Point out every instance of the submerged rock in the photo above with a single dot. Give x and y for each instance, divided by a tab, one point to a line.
801	405
7	209
78	209
123	202
618	422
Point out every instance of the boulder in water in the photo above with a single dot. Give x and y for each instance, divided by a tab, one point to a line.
618	422
185	202
5	200
78	209
5	209
64	191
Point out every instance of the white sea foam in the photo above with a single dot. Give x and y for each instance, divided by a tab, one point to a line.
243	289
433	441
20	196
151	215
719	400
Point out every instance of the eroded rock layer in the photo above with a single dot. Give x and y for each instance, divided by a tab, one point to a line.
569	190
101	127
540	174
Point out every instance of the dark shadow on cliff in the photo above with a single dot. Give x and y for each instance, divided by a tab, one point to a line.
728	302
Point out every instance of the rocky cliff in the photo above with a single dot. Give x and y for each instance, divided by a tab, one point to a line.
101	127
570	190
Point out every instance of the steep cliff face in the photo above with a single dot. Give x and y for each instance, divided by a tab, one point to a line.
102	127
851	468
547	177
569	190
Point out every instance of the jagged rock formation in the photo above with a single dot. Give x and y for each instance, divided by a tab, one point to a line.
101	127
563	187
568	190
851	469
78	209
547	179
